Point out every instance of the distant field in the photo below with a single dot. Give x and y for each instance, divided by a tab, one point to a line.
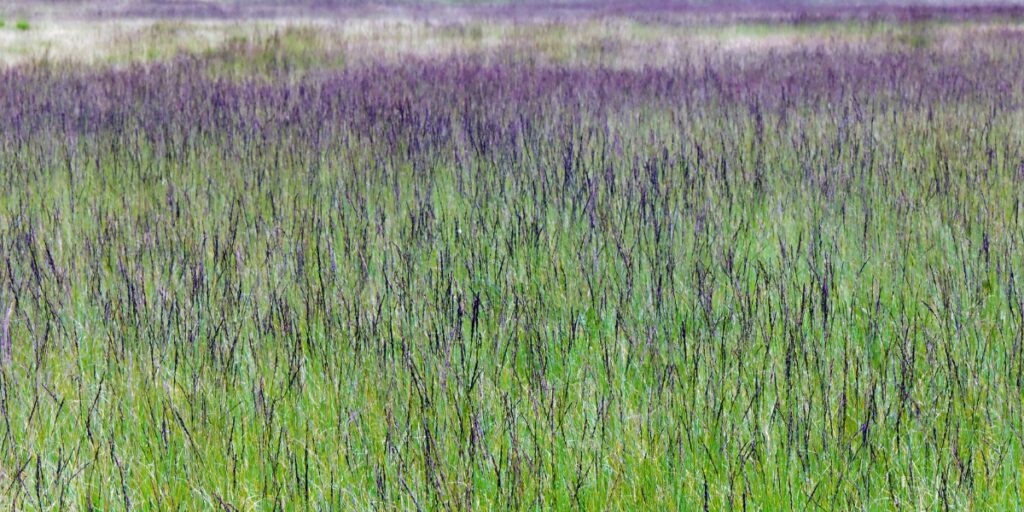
584	37
544	257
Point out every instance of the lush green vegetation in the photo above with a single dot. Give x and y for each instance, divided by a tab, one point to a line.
284	275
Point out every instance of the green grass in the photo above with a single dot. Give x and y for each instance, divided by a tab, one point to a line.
675	303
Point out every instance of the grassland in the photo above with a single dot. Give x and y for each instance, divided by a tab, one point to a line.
486	262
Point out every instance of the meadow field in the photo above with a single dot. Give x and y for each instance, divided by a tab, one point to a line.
533	257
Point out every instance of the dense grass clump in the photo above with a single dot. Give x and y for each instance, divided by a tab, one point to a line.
775	280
